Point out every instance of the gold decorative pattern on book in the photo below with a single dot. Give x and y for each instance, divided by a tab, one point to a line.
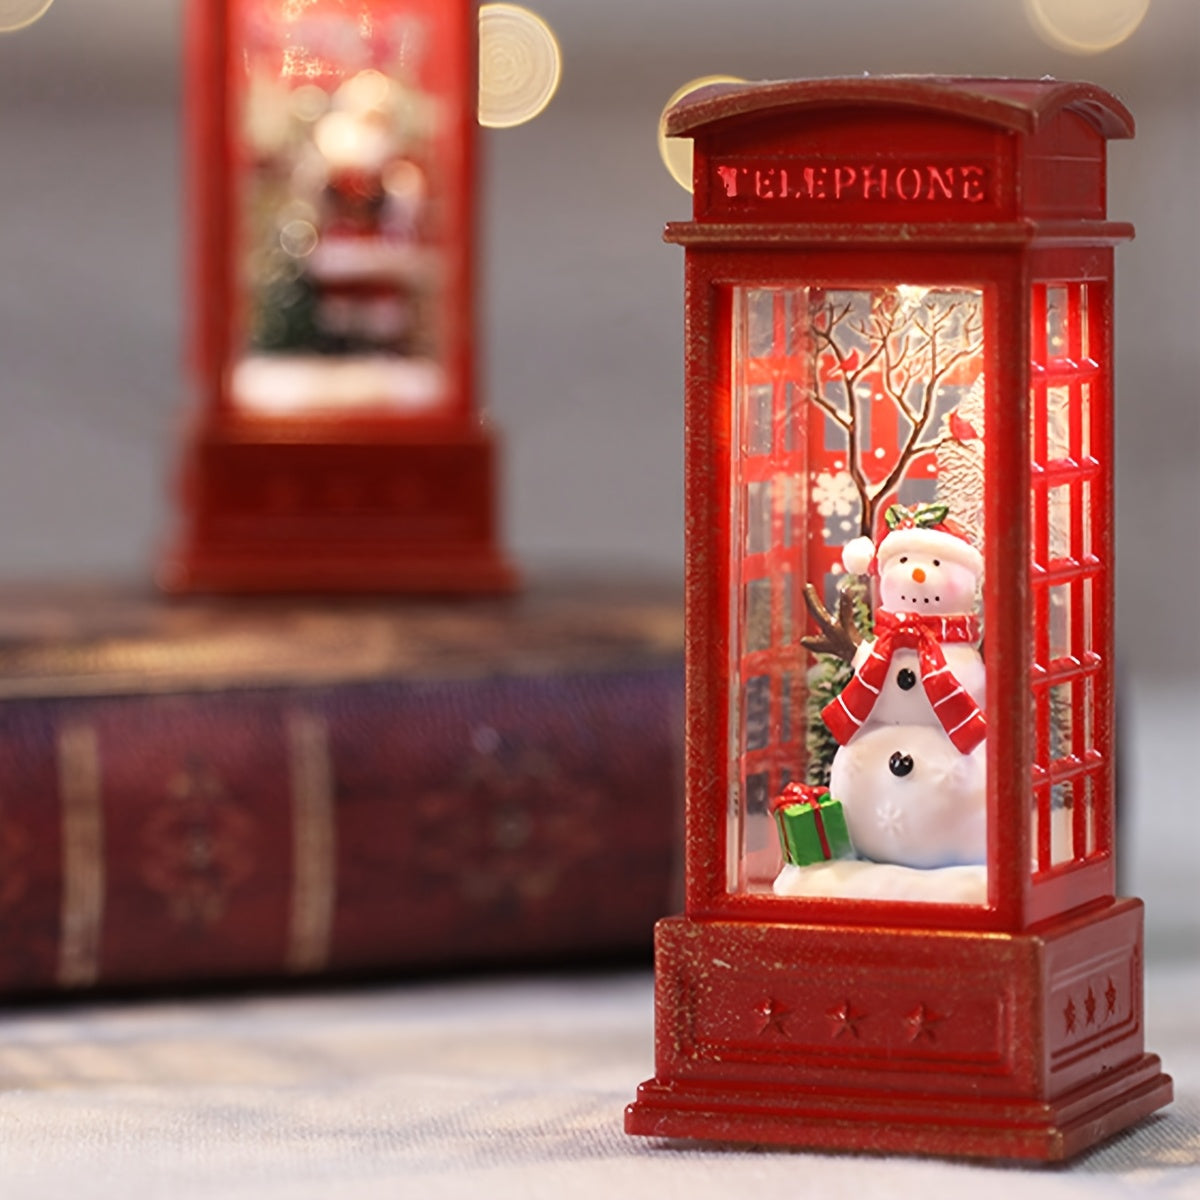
313	852
82	856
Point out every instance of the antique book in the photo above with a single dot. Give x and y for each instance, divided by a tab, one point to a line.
201	790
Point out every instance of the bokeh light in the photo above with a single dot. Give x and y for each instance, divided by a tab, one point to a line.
298	238
347	140
16	14
309	102
676	153
520	65
368	91
1086	26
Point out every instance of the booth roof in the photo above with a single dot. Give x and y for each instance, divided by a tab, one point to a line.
1021	105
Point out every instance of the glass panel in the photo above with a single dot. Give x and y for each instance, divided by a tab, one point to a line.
1037	513
878	406
759	306
1089	794
791	422
1040	828
758	712
1060	620
761	404
786	487
761	851
758	614
758	517
1058	422
1060	522
1088	630
1062	814
788	602
1085	500
758	788
1056	322
1061	721
1085	421
348	212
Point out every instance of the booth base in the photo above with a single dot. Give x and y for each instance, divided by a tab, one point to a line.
376	512
930	1041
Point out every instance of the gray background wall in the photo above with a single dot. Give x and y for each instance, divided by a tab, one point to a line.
582	306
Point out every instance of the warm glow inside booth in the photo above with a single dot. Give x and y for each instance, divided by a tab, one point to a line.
899	337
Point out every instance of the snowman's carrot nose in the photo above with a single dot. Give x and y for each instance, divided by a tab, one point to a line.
918	575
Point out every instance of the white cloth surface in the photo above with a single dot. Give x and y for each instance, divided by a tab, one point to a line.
489	1088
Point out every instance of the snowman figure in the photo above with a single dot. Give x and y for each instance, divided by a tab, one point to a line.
911	798
910	767
910	770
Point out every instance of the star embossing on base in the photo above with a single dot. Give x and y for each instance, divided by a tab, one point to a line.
1089	1006
844	1018
922	1022
771	1015
1069	1015
1110	998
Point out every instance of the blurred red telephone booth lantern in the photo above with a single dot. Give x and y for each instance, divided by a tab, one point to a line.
337	443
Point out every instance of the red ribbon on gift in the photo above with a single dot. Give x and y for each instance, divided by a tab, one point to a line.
806	793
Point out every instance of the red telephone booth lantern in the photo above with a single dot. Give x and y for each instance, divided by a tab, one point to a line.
899	301
337	444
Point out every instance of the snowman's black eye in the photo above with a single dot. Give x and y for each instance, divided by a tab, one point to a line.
904	558
937	562
900	764
906	679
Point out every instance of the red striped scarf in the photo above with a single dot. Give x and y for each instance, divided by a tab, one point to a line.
953	705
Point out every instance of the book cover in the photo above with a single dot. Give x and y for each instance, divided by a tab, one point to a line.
207	790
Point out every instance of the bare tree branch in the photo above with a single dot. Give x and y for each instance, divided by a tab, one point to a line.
829	410
841	637
913	351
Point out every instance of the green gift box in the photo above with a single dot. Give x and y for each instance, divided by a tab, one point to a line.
811	824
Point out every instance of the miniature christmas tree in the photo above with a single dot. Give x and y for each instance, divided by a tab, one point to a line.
830	673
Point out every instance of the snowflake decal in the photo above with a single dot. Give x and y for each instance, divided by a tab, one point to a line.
890	817
834	495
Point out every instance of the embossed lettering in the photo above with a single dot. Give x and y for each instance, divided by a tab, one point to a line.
912	183
878	182
908	191
972	181
765	184
729	177
843	180
943	182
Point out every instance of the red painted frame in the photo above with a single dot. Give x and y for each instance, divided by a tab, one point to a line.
762	219
435	530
